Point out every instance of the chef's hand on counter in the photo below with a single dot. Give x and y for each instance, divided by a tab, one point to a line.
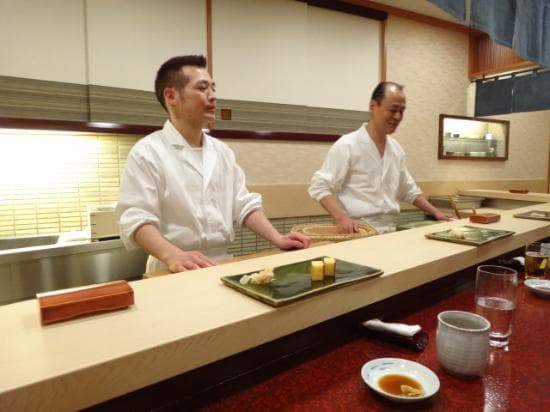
293	240
422	203
260	224
345	224
442	216
182	260
149	238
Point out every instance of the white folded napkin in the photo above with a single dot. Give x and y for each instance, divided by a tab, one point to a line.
398	328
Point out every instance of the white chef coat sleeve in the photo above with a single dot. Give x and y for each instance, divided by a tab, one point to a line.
408	189
244	202
329	178
138	201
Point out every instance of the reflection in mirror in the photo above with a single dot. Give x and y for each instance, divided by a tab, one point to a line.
462	137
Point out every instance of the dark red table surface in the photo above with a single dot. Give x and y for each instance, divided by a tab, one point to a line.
516	378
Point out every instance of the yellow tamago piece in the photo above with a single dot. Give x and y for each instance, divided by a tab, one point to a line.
317	270
330	266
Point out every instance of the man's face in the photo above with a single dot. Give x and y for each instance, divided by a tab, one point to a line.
196	101
388	114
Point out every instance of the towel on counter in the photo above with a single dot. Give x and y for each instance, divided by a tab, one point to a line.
409	336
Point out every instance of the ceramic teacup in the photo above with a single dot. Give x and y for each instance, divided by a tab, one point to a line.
462	343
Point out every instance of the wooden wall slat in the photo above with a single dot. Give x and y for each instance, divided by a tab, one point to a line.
488	57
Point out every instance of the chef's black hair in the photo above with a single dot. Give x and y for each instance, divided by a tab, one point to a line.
380	90
170	75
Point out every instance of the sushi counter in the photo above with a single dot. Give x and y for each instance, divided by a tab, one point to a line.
187	321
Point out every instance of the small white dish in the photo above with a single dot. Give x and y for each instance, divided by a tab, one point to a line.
540	286
372	371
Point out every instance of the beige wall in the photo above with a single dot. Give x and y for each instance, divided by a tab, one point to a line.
432	63
128	40
30	28
285	51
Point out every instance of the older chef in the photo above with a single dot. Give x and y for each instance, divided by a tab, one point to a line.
182	190
364	174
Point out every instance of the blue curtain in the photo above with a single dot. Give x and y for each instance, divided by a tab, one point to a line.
494	17
523	25
532	31
456	8
514	94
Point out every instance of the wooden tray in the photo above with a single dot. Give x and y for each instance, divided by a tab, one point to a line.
534	214
326	231
293	281
473	235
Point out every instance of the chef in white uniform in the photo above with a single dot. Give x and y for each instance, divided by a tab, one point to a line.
365	175
182	190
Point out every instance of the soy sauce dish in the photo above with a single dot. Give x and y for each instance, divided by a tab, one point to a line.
400	380
540	286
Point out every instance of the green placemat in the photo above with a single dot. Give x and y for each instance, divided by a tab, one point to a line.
292	282
473	235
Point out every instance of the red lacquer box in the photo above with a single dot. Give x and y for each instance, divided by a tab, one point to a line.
70	303
485	218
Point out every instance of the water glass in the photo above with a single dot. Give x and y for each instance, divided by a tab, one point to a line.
495	298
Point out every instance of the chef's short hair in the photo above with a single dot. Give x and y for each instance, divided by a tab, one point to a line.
380	90
170	75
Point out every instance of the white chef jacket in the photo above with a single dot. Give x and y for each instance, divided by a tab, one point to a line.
365	184
194	206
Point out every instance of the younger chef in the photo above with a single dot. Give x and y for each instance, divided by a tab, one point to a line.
182	190
365	175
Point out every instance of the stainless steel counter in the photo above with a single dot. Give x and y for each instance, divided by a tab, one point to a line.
28	270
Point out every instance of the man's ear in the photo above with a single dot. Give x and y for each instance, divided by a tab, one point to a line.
169	94
372	104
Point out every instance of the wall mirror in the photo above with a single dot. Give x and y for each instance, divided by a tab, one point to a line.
472	138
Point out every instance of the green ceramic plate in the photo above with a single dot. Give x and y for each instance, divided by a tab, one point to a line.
534	214
472	235
292	282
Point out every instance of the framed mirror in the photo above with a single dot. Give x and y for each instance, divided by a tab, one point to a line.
472	138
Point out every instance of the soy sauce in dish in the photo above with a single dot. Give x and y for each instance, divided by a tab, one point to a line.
400	385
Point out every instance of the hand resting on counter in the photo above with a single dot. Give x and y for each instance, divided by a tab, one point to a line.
149	238
294	240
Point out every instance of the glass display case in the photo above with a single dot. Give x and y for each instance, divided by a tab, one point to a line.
462	137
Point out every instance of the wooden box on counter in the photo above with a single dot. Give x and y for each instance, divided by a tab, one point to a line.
70	303
484	218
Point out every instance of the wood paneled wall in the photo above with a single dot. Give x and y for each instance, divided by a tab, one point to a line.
487	57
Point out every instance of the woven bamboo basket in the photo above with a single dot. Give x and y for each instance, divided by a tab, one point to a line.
326	231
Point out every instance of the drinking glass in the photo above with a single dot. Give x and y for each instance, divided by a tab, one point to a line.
495	298
536	260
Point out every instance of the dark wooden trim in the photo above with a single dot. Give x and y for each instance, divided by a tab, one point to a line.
349	8
480	119
407	14
290	136
64	125
383	52
209	54
486	57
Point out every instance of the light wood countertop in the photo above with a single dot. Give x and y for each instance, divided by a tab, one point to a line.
504	194
186	320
